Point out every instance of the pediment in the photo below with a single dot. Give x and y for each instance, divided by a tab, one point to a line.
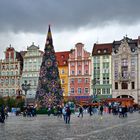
124	48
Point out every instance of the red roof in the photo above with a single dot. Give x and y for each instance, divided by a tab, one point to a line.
62	58
102	49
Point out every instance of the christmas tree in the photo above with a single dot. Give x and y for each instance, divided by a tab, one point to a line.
49	91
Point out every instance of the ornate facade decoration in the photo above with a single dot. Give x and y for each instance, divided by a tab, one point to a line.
32	60
10	73
125	69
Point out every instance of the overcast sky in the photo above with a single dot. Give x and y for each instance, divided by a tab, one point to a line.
88	21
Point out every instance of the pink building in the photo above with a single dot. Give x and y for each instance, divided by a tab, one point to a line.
79	71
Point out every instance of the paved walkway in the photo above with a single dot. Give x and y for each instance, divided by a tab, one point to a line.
42	127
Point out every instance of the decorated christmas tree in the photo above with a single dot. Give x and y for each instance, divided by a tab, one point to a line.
49	91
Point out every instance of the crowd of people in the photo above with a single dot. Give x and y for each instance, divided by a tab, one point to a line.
66	111
29	111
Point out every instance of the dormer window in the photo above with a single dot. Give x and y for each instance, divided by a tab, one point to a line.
64	62
105	51
99	51
133	49
62	56
116	51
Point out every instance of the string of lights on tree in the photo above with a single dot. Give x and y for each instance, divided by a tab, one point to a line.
49	91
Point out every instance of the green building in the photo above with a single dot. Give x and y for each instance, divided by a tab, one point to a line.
101	72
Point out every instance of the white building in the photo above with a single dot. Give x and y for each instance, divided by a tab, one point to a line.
126	69
31	68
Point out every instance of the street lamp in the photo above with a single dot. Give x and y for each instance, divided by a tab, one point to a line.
25	87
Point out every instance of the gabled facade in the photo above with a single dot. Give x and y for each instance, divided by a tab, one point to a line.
101	71
32	60
62	60
79	71
126	69
10	73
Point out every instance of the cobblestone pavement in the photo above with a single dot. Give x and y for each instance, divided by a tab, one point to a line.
42	127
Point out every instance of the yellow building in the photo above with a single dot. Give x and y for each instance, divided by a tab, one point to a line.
62	59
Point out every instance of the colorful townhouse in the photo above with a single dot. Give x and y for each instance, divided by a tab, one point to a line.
79	65
101	71
32	60
62	60
126	69
10	73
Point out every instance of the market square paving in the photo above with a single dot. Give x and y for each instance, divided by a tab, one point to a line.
93	127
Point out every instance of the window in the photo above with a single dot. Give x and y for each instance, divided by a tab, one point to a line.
79	80
2	81
79	90
72	81
99	51
86	71
86	90
63	72
79	63
72	90
124	62
12	81
64	62
133	62
35	82
13	91
96	59
105	80
108	90
133	74
79	53
124	85
30	82
97	81
124	72
133	85
116	85
105	50
79	71
63	81
72	63
7	91
7	81
86	80
98	91
7	66
105	91
133	49
86	62
72	72
3	67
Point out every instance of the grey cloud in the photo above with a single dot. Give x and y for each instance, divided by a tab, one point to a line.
35	15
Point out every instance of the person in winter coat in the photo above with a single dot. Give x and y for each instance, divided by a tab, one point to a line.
68	114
